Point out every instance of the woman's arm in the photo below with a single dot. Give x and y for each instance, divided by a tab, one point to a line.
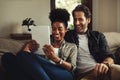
49	52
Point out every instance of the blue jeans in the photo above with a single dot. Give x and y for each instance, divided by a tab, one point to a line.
40	68
12	68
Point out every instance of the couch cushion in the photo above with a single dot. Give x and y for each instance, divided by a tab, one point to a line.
113	39
10	45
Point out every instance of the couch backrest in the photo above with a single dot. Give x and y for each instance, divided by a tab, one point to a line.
113	39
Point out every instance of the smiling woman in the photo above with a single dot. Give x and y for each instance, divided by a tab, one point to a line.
58	65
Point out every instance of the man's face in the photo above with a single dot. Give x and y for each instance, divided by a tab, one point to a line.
80	22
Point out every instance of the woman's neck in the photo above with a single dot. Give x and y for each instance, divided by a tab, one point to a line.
57	44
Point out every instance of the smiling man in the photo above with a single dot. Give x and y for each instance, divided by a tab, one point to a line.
94	59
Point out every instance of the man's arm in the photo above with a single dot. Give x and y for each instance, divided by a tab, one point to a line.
107	55
108	60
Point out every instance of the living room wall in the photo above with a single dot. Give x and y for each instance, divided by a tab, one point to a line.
15	11
106	16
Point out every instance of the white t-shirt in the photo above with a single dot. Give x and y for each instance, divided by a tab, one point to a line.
85	61
56	53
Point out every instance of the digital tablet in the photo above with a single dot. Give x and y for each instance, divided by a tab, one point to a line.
42	35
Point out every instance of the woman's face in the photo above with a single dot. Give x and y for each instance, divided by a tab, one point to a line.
58	31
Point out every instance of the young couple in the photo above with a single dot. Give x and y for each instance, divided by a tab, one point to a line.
80	54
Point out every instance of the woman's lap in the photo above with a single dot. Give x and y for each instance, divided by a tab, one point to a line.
54	71
34	66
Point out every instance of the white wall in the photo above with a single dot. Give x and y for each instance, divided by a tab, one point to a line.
106	15
118	15
14	11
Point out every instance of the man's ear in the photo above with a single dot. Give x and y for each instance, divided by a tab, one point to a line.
88	19
66	29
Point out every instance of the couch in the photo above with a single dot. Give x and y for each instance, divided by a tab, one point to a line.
9	45
13	46
113	39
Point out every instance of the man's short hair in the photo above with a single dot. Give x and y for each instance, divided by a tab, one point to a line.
84	9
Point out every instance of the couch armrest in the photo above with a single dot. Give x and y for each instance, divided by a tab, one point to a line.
10	45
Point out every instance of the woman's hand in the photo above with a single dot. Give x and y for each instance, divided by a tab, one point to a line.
49	52
31	46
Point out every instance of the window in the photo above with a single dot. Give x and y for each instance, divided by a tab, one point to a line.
70	5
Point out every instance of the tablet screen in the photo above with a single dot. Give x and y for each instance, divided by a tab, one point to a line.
42	35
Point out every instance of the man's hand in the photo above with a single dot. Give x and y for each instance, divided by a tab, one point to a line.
108	60
31	46
100	69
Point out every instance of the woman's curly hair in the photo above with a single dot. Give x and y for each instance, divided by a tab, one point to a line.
59	14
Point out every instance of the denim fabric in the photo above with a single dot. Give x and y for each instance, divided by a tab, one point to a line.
12	68
36	67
